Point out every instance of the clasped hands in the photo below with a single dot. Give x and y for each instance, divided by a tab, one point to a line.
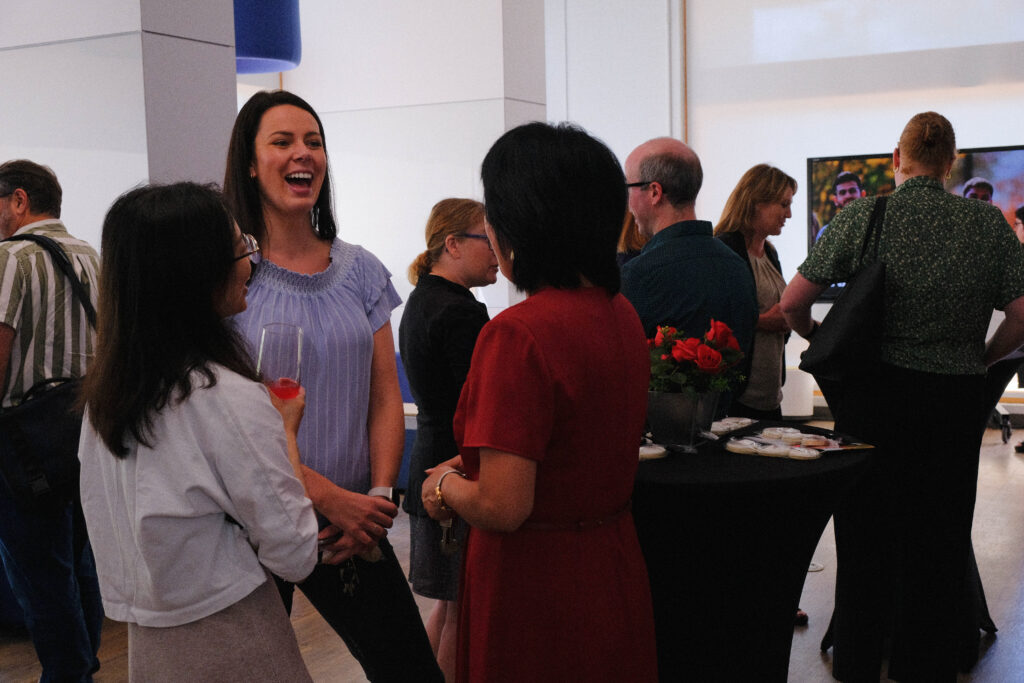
358	523
428	493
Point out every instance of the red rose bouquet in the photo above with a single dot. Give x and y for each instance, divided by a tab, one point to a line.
694	364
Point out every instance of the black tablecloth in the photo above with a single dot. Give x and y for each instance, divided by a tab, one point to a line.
727	539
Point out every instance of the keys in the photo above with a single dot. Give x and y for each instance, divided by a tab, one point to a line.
449	544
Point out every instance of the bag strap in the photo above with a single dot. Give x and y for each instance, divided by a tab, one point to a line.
60	259
874	226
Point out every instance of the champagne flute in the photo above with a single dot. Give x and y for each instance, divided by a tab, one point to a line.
280	358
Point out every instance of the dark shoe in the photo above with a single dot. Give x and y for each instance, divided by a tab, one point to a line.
801	618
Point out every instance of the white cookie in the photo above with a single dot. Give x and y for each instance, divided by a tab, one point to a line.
800	453
652	452
773	450
741	446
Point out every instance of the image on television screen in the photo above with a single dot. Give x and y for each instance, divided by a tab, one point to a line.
993	174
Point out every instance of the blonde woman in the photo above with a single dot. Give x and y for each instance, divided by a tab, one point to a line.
756	210
439	327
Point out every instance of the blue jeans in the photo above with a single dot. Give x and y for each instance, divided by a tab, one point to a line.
370	605
52	573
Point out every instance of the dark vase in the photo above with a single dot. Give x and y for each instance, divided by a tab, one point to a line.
677	419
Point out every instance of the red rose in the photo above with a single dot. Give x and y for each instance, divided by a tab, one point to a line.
685	349
708	359
671	331
659	338
720	336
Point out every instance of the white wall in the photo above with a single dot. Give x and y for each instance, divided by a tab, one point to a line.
615	68
79	108
114	93
412	94
779	81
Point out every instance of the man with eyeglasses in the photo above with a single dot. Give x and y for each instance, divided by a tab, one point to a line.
683	277
44	332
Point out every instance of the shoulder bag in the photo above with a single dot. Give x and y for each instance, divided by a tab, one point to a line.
848	342
39	436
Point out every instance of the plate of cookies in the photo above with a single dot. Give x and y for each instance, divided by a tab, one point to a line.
787	442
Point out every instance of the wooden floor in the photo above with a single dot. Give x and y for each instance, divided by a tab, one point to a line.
998	544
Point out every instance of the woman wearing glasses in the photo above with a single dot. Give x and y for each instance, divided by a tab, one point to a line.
277	183
190	481
439	328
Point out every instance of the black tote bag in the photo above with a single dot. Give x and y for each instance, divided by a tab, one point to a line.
848	342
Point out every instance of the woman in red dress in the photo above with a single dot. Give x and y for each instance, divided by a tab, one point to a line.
554	586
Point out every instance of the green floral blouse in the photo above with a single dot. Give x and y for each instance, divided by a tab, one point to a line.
949	262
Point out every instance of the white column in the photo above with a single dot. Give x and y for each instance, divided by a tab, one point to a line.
114	93
412	95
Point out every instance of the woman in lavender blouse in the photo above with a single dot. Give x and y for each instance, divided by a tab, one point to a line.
278	185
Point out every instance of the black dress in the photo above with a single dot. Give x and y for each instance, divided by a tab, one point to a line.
439	328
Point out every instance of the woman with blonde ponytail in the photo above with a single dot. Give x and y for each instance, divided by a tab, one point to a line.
439	327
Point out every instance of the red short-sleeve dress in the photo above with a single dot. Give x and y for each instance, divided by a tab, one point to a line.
560	378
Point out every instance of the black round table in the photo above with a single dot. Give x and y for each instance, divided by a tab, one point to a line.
727	539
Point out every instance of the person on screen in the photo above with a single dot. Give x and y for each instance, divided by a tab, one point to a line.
845	188
980	189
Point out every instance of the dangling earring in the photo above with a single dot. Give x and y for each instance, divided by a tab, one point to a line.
314	218
511	255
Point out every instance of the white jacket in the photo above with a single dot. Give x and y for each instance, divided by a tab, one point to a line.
166	552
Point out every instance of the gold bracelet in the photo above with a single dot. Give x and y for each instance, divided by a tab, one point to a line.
437	489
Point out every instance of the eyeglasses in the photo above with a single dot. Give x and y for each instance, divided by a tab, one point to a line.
640	183
477	237
252	249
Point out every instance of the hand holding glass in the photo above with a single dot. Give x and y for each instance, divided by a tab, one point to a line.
280	358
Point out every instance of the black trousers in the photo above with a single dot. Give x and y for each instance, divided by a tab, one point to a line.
903	535
370	605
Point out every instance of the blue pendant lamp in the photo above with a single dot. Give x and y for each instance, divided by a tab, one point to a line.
267	36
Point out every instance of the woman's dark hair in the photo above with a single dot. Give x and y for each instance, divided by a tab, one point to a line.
1019	213
555	197
168	252
241	189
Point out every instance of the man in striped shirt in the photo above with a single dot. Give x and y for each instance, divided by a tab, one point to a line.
44	333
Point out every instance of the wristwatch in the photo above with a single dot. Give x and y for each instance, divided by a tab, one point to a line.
388	492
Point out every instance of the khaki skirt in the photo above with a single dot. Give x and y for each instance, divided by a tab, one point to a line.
251	640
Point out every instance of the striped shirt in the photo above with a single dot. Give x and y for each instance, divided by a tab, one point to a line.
338	310
52	336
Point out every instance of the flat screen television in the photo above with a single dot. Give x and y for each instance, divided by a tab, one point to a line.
1001	167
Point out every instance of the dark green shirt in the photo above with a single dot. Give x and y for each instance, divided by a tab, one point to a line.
684	277
949	262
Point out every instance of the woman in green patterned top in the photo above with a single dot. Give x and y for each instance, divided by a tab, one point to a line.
903	534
